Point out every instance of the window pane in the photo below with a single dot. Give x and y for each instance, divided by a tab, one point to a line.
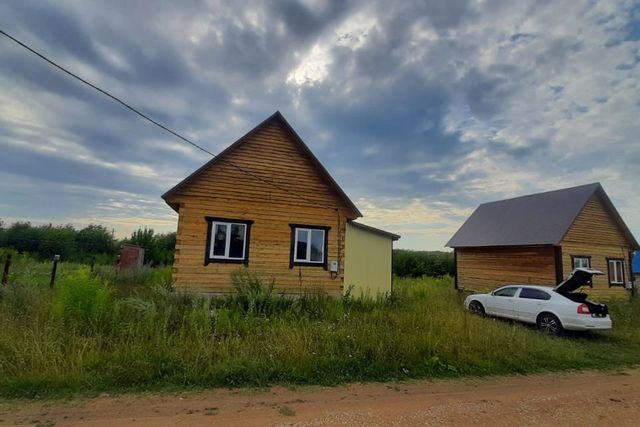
236	245
619	271
506	292
301	246
317	245
612	272
581	262
529	293
220	239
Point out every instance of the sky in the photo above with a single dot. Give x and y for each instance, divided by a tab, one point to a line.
420	110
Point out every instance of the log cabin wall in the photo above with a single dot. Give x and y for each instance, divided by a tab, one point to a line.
490	267
224	191
596	235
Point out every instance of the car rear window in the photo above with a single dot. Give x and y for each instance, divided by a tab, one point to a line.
530	293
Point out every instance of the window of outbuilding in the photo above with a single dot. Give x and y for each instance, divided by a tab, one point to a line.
581	261
309	245
227	240
616	271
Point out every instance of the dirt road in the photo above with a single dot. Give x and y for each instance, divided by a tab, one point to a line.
590	398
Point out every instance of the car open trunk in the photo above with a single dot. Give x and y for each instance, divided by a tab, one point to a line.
578	278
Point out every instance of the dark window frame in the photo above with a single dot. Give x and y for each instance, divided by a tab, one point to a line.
545	293
207	257
590	283
624	280
292	258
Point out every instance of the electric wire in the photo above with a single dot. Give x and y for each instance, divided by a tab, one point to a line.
158	124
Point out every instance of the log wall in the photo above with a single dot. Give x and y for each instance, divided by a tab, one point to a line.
224	191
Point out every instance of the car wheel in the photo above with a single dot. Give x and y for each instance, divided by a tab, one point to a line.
476	307
549	324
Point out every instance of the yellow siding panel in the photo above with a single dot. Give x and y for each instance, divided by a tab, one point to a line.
367	262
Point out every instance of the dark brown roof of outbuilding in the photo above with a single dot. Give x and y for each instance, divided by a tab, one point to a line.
277	116
536	219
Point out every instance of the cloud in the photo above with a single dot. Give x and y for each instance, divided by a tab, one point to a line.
421	109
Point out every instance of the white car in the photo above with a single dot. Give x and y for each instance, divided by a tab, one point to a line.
551	309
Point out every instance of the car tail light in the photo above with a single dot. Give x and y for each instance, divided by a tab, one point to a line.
583	309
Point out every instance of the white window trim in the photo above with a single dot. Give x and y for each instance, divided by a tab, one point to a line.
617	280
214	227
308	254
575	258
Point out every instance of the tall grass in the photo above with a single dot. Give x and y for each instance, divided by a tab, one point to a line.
89	336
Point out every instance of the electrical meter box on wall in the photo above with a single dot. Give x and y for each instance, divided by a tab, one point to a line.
333	266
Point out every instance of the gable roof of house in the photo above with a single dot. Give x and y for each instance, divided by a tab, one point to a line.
536	219
275	117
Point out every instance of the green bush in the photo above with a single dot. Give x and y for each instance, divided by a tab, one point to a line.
88	336
81	301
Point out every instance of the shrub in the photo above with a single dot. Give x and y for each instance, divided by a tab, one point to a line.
81	301
253	295
84	338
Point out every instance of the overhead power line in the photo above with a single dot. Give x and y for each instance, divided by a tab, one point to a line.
104	92
156	123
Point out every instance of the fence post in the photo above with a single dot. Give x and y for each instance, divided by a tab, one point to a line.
56	258
93	263
5	273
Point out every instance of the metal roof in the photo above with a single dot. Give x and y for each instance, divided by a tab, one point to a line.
374	230
536	219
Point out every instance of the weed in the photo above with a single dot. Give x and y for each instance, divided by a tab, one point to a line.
286	411
91	335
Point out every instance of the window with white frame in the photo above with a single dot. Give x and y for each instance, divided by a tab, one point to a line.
581	261
616	272
228	240
308	245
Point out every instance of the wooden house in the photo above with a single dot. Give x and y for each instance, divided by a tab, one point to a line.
266	203
541	238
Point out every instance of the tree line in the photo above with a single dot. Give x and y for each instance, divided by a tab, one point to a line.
96	242
422	263
93	242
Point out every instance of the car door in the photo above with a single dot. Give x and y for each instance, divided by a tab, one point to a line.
501	302
529	303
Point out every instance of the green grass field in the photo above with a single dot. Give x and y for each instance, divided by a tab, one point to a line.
94	334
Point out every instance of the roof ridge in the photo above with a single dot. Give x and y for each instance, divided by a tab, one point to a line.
516	221
595	184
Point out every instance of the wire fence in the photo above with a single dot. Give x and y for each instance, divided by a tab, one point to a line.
24	269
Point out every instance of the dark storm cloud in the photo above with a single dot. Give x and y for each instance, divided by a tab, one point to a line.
425	100
302	21
59	170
